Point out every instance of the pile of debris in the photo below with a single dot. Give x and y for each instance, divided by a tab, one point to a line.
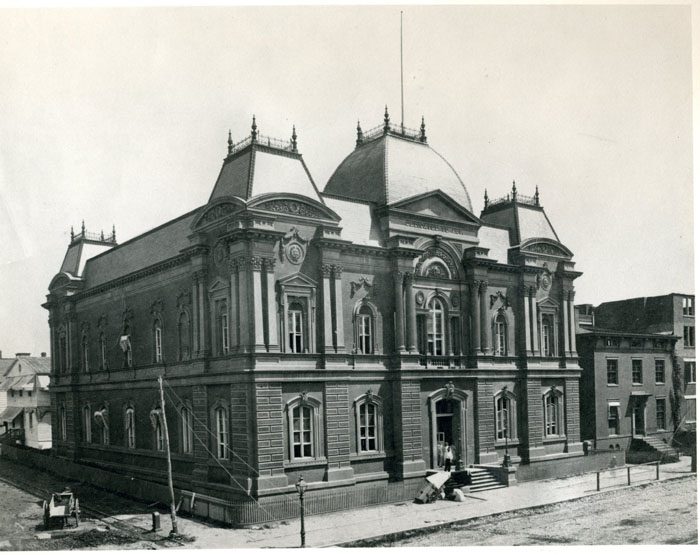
441	485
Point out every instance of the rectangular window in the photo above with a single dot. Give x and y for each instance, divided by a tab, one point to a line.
637	372
661	414
689	372
186	428
689	336
368	434
613	420
295	331
612	372
660	371
688	306
364	334
130	429
221	434
302	431
551	415
159	344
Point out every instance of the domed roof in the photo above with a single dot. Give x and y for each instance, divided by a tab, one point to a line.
394	167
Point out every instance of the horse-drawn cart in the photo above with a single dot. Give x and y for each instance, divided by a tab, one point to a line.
62	506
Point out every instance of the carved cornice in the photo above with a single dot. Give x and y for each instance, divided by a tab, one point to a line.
256	263
409	278
326	270
483	286
233	265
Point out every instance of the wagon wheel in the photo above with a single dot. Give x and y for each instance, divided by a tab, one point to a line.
46	515
76	513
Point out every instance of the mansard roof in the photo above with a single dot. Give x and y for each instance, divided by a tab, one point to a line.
392	163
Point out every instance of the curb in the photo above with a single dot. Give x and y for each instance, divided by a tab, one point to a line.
422	530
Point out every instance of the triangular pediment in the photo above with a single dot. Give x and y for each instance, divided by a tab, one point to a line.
298	280
436	204
547	302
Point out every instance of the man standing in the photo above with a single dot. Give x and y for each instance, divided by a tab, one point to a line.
449	456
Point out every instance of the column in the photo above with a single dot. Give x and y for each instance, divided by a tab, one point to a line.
339	328
485	324
399	322
326	271
565	323
528	324
195	315
272	333
572	323
410	313
234	315
244	305
258	306
201	282
535	325
476	318
52	344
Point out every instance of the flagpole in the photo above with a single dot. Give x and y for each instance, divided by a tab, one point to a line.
167	452
402	71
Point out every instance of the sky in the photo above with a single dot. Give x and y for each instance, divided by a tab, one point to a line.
120	116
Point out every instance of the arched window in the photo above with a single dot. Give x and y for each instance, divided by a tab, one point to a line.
102	421
125	344
499	335
183	334
553	409
364	324
85	353
221	425
368	421
103	351
130	428
62	352
87	424
186	436
158	435
158	341
303	428
506	416
436	328
295	327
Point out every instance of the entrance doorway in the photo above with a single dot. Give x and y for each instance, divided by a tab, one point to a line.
638	419
447	430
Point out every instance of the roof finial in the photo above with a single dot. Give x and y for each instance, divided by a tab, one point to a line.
515	191
230	143
486	198
254	130
360	136
537	196
294	138
102	234
386	118
82	228
114	234
423	138
72	233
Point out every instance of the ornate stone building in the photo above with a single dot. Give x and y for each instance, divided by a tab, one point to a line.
346	335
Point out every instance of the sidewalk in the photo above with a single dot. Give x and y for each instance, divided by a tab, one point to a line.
347	526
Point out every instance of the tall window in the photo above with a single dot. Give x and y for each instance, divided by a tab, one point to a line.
613	420
103	351
500	347
183	334
506	416
302	428
552	413
130	428
102	420
689	367
364	331
62	353
62	423
368	427
688	306
85	353
436	328
612	372
223	327
660	371
87	424
547	336
158	341
661	414
186	430
637	373
125	345
689	336
220	416
158	434
295	327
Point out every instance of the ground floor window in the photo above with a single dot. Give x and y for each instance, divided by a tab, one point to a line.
661	414
613	420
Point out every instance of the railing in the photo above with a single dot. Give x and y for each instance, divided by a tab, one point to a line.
621	476
515	197
439	362
264	140
13	435
403	131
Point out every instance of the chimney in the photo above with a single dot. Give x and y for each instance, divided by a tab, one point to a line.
23	354
43	355
0	354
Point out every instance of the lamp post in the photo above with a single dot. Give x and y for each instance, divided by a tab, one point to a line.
301	486
506	412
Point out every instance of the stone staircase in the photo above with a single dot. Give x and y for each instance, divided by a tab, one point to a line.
482	479
665	452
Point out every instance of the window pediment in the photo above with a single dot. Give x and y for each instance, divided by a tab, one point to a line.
297	280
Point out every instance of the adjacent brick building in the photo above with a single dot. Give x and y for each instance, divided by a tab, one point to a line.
346	335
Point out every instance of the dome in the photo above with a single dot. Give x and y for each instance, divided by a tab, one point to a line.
393	167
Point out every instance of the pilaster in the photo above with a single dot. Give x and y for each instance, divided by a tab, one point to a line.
272	339
269	437
409	439
485	320
475	318
485	425
411	343
535	419
572	409
246	327
338	309
326	273
337	427
400	321
199	426
258	306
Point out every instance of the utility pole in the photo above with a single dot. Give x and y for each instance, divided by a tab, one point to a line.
167	454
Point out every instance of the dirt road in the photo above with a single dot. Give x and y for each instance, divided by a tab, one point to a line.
655	513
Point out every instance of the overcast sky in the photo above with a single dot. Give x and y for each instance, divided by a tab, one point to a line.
121	117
